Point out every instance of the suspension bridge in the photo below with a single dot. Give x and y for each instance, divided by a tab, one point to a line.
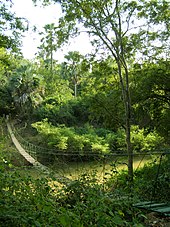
25	152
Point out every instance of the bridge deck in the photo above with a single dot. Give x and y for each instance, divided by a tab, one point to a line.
162	208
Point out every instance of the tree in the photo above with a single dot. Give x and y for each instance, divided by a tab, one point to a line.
120	28
101	89
24	86
7	64
11	27
72	70
48	46
152	105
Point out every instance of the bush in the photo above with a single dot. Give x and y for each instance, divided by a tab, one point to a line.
143	141
71	140
87	199
152	181
87	139
117	141
74	112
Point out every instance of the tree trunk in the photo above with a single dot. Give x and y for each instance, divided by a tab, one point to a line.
127	105
128	127
129	147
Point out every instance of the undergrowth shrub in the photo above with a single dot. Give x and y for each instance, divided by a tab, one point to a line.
27	201
97	206
72	140
143	141
152	182
87	139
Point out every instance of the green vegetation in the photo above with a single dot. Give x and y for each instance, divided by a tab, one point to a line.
87	139
113	101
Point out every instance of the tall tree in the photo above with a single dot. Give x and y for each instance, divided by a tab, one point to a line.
48	45
24	85
119	27
72	69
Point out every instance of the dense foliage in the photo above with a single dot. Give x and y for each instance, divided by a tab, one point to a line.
113	100
87	139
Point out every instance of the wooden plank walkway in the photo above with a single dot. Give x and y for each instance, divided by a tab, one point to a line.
162	208
31	160
21	150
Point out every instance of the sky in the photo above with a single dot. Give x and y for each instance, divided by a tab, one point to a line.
40	16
